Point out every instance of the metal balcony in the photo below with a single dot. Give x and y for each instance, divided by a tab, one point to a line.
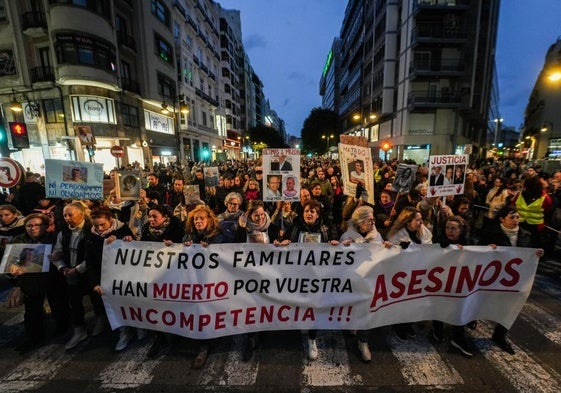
126	40
42	74
34	24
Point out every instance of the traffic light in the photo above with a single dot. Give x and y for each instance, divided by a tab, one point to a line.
386	146
3	136
18	132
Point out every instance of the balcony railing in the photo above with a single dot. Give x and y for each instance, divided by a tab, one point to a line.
439	32
130	85
443	66
33	20
126	40
440	4
434	98
42	74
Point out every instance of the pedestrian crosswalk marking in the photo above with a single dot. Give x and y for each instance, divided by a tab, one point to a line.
332	365
546	323
132	369
422	365
522	371
419	362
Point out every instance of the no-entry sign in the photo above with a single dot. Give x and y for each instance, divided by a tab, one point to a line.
117	151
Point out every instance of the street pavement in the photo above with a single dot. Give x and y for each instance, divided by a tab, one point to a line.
280	363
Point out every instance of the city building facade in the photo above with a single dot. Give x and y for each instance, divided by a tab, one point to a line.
166	80
541	137
417	74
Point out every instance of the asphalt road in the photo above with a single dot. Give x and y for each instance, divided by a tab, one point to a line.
280	363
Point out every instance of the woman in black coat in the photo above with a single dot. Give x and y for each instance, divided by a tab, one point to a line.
505	231
104	228
162	226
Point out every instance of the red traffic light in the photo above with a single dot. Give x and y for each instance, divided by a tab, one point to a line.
18	132
18	128
386	146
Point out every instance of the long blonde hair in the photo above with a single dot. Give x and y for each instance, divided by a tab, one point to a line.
405	217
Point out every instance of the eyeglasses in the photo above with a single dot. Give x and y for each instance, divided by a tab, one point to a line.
368	221
233	204
33	225
258	172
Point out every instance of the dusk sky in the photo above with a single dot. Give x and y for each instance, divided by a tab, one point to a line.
288	40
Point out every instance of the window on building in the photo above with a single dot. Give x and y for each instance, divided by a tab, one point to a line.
129	115
85	49
204	118
101	7
3	15
53	110
161	11
163	49
166	87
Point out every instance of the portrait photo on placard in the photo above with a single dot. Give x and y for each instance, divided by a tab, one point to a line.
129	185
74	174
23	258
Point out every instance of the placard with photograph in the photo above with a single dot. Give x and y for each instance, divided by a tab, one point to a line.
128	186
191	192
73	179
281	169
25	258
356	169
211	176
447	174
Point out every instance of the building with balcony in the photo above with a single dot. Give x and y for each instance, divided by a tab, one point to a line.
163	79
417	74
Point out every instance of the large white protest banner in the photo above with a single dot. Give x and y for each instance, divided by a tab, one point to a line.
236	288
73	179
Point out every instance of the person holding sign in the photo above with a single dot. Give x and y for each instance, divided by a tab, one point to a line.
455	236
505	231
310	227
254	227
408	228
35	285
162	226
202	228
361	229
69	257
105	228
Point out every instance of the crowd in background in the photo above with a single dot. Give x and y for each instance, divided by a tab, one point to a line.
508	201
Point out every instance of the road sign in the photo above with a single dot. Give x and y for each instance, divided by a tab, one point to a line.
117	151
10	172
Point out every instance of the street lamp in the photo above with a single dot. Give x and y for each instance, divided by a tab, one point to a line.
327	138
498	122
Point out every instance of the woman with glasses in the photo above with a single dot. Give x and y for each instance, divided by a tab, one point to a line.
506	231
361	229
228	220
36	285
202	228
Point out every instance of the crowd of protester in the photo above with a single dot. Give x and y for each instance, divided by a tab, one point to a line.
505	203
